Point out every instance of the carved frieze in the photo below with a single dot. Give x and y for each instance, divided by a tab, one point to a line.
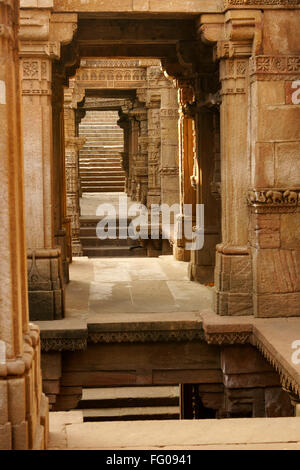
169	113
274	67
235	337
169	171
146	336
63	344
260	3
36	76
116	63
119	77
233	74
274	200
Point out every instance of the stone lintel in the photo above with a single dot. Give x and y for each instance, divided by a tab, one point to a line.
164	7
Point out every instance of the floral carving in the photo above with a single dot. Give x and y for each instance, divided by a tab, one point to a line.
30	69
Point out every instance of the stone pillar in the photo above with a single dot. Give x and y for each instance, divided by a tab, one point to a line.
72	146
187	159
23	407
125	124
274	199
169	165
154	149
237	36
233	276
203	261
62	224
140	151
41	34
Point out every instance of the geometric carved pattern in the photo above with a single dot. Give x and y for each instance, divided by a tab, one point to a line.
244	3
145	336
111	75
63	344
78	344
236	337
275	67
118	63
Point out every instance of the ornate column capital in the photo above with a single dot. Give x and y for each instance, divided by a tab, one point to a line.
42	32
237	33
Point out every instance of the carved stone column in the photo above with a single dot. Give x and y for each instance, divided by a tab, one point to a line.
140	152
203	261
23	406
169	165
41	34
125	124
187	161
72	146
237	34
154	149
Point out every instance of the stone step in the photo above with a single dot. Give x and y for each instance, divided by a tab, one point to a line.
99	161
91	126
280	433
93	241
103	183
99	177
106	138
103	132
117	147
96	166
131	414
95	173
95	156
113	251
103	152
92	221
105	169
102	179
99	189
100	122
92	156
106	143
114	170
130	396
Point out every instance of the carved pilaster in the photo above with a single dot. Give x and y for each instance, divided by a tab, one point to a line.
72	97
43	36
236	35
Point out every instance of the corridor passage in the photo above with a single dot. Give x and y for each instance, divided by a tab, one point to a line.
119	286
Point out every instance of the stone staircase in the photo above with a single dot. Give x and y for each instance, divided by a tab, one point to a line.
100	159
93	247
130	403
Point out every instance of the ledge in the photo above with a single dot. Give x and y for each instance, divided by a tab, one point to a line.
272	336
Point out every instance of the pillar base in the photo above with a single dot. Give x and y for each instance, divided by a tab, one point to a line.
45	285
180	254
24	410
201	274
202	263
76	248
233	281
